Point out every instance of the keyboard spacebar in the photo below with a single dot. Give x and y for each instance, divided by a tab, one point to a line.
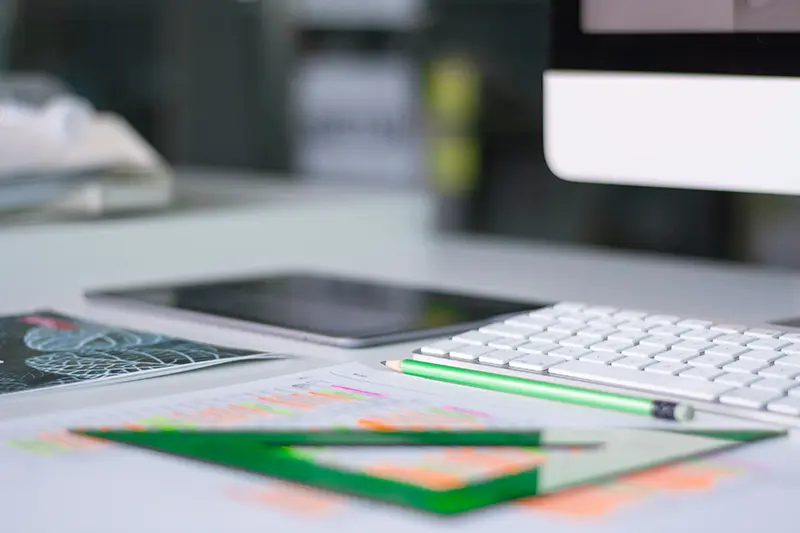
644	381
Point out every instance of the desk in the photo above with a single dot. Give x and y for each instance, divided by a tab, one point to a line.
279	226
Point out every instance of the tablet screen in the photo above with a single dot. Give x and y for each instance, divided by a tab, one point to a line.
333	307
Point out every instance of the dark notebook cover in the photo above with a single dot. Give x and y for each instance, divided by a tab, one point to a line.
44	349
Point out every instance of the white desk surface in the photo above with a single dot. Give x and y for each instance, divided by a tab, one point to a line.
377	235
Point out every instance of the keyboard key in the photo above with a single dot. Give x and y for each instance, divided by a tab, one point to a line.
549	336
630	315
635	379
726	349
791	337
507	343
643	351
764	333
502	329
768	344
713	361
744	366
735	339
469	352
665	341
611	346
792	349
569	352
700	335
694	324
600	310
602	358
597	333
635	325
777	371
630	336
499	357
786	406
737	380
700	372
605	322
788	360
536	362
728	328
775	384
673	331
475	337
662	319
752	398
528	321
578	341
692	346
538	347
675	356
566	327
440	348
570	307
574	318
634	363
765	356
547	313
666	367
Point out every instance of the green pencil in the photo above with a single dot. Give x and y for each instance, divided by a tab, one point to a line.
666	410
535	438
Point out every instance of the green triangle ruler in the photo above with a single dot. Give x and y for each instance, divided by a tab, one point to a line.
440	472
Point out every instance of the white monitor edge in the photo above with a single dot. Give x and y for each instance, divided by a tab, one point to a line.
714	132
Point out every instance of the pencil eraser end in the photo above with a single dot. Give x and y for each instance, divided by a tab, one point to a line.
684	412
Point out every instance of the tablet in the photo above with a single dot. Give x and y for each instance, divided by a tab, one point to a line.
330	310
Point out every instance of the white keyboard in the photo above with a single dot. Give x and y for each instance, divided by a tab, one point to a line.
745	371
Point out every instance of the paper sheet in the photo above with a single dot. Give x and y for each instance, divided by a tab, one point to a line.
55	482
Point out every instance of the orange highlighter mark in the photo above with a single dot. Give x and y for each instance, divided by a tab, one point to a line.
424	477
294	499
583	502
603	500
677	478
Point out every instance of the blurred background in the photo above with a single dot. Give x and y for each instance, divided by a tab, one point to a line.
438	95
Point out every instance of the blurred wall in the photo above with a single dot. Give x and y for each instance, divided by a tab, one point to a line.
7	8
690	15
658	15
203	80
514	193
768	15
215	83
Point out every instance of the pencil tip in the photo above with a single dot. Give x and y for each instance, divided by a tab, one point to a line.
383	363
393	365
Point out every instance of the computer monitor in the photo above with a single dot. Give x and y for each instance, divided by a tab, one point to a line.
698	94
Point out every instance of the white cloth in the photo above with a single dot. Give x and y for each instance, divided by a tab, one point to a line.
46	147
